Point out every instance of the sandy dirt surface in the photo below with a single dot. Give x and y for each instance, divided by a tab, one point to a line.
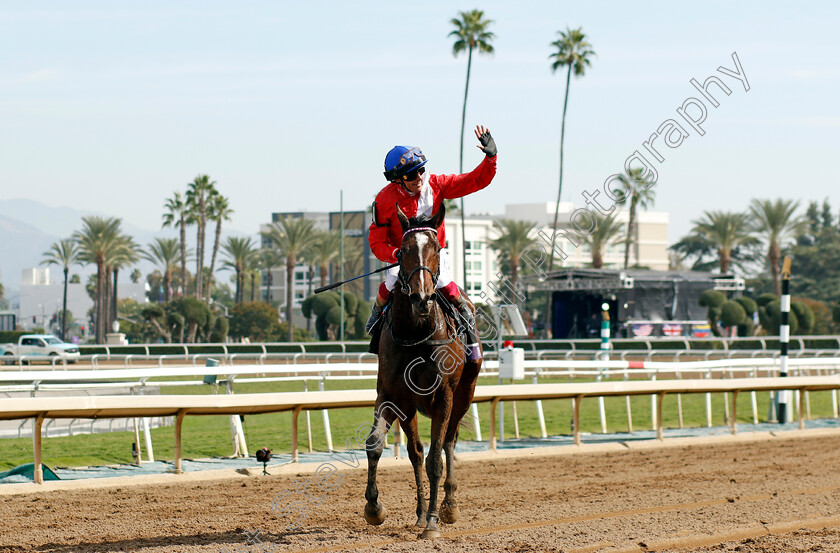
779	495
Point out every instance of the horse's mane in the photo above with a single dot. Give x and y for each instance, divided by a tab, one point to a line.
418	222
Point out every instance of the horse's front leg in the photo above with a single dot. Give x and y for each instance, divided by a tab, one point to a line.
375	443
434	467
415	455
462	399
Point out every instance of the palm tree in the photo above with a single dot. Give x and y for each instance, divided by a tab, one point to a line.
219	210
776	221
514	237
324	250
470	33
177	215
64	253
97	241
574	53
606	230
198	192
126	253
135	276
726	231
237	256
636	190
291	237
163	252
268	262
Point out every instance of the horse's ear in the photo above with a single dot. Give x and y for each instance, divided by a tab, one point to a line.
437	218
403	219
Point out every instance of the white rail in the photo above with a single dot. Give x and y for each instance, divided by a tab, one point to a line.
77	407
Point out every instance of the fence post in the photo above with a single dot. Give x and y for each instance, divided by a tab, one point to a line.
604	356
38	476
477	426
326	416
783	396
540	414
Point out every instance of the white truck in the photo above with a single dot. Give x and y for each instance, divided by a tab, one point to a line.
45	346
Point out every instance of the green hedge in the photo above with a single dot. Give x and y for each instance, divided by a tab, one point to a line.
11	336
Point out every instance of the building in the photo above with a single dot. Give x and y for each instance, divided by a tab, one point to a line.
652	230
41	297
358	260
484	281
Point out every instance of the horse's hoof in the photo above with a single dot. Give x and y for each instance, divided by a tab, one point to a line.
449	514
428	533
421	521
374	514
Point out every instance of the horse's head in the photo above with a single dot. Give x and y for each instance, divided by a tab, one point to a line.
419	258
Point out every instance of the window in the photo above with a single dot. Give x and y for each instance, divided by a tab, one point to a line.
300	276
473	247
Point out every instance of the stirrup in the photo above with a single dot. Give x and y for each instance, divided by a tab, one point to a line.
375	314
471	343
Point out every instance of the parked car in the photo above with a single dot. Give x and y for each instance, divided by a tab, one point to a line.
42	345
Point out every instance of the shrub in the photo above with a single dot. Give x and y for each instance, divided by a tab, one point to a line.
749	305
712	298
732	313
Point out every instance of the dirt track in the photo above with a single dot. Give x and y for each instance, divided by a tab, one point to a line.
744	497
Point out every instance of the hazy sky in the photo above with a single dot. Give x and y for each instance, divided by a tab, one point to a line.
285	104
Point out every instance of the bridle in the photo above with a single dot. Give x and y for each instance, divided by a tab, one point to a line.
405	279
406	289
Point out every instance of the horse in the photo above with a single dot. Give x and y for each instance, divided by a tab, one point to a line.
422	368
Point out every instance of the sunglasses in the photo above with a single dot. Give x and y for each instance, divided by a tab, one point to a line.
412	175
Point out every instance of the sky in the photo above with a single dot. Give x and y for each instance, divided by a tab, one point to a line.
112	107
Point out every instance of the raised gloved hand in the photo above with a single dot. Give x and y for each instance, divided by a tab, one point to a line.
488	145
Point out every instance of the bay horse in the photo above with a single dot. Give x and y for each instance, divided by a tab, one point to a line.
422	368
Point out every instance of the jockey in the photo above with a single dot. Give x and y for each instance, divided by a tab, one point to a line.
421	194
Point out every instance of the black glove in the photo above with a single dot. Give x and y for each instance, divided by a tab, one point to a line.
488	143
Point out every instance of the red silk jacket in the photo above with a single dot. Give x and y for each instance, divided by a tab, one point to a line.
385	234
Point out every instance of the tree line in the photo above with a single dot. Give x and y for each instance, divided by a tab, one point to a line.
102	242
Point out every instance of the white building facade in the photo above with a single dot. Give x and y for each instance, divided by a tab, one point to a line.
42	294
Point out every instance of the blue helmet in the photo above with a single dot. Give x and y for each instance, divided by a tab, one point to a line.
402	160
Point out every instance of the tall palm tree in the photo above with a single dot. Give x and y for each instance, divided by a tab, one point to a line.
65	254
606	231
268	262
219	210
163	252
177	215
470	34
513	238
97	241
574	53
324	250
726	231
635	190
126	253
198	191
291	237
237	254
776	221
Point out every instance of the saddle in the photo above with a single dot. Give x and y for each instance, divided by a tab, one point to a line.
449	311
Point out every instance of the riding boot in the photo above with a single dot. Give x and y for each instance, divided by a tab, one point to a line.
375	313
471	345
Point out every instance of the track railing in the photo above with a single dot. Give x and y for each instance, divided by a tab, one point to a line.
78	407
